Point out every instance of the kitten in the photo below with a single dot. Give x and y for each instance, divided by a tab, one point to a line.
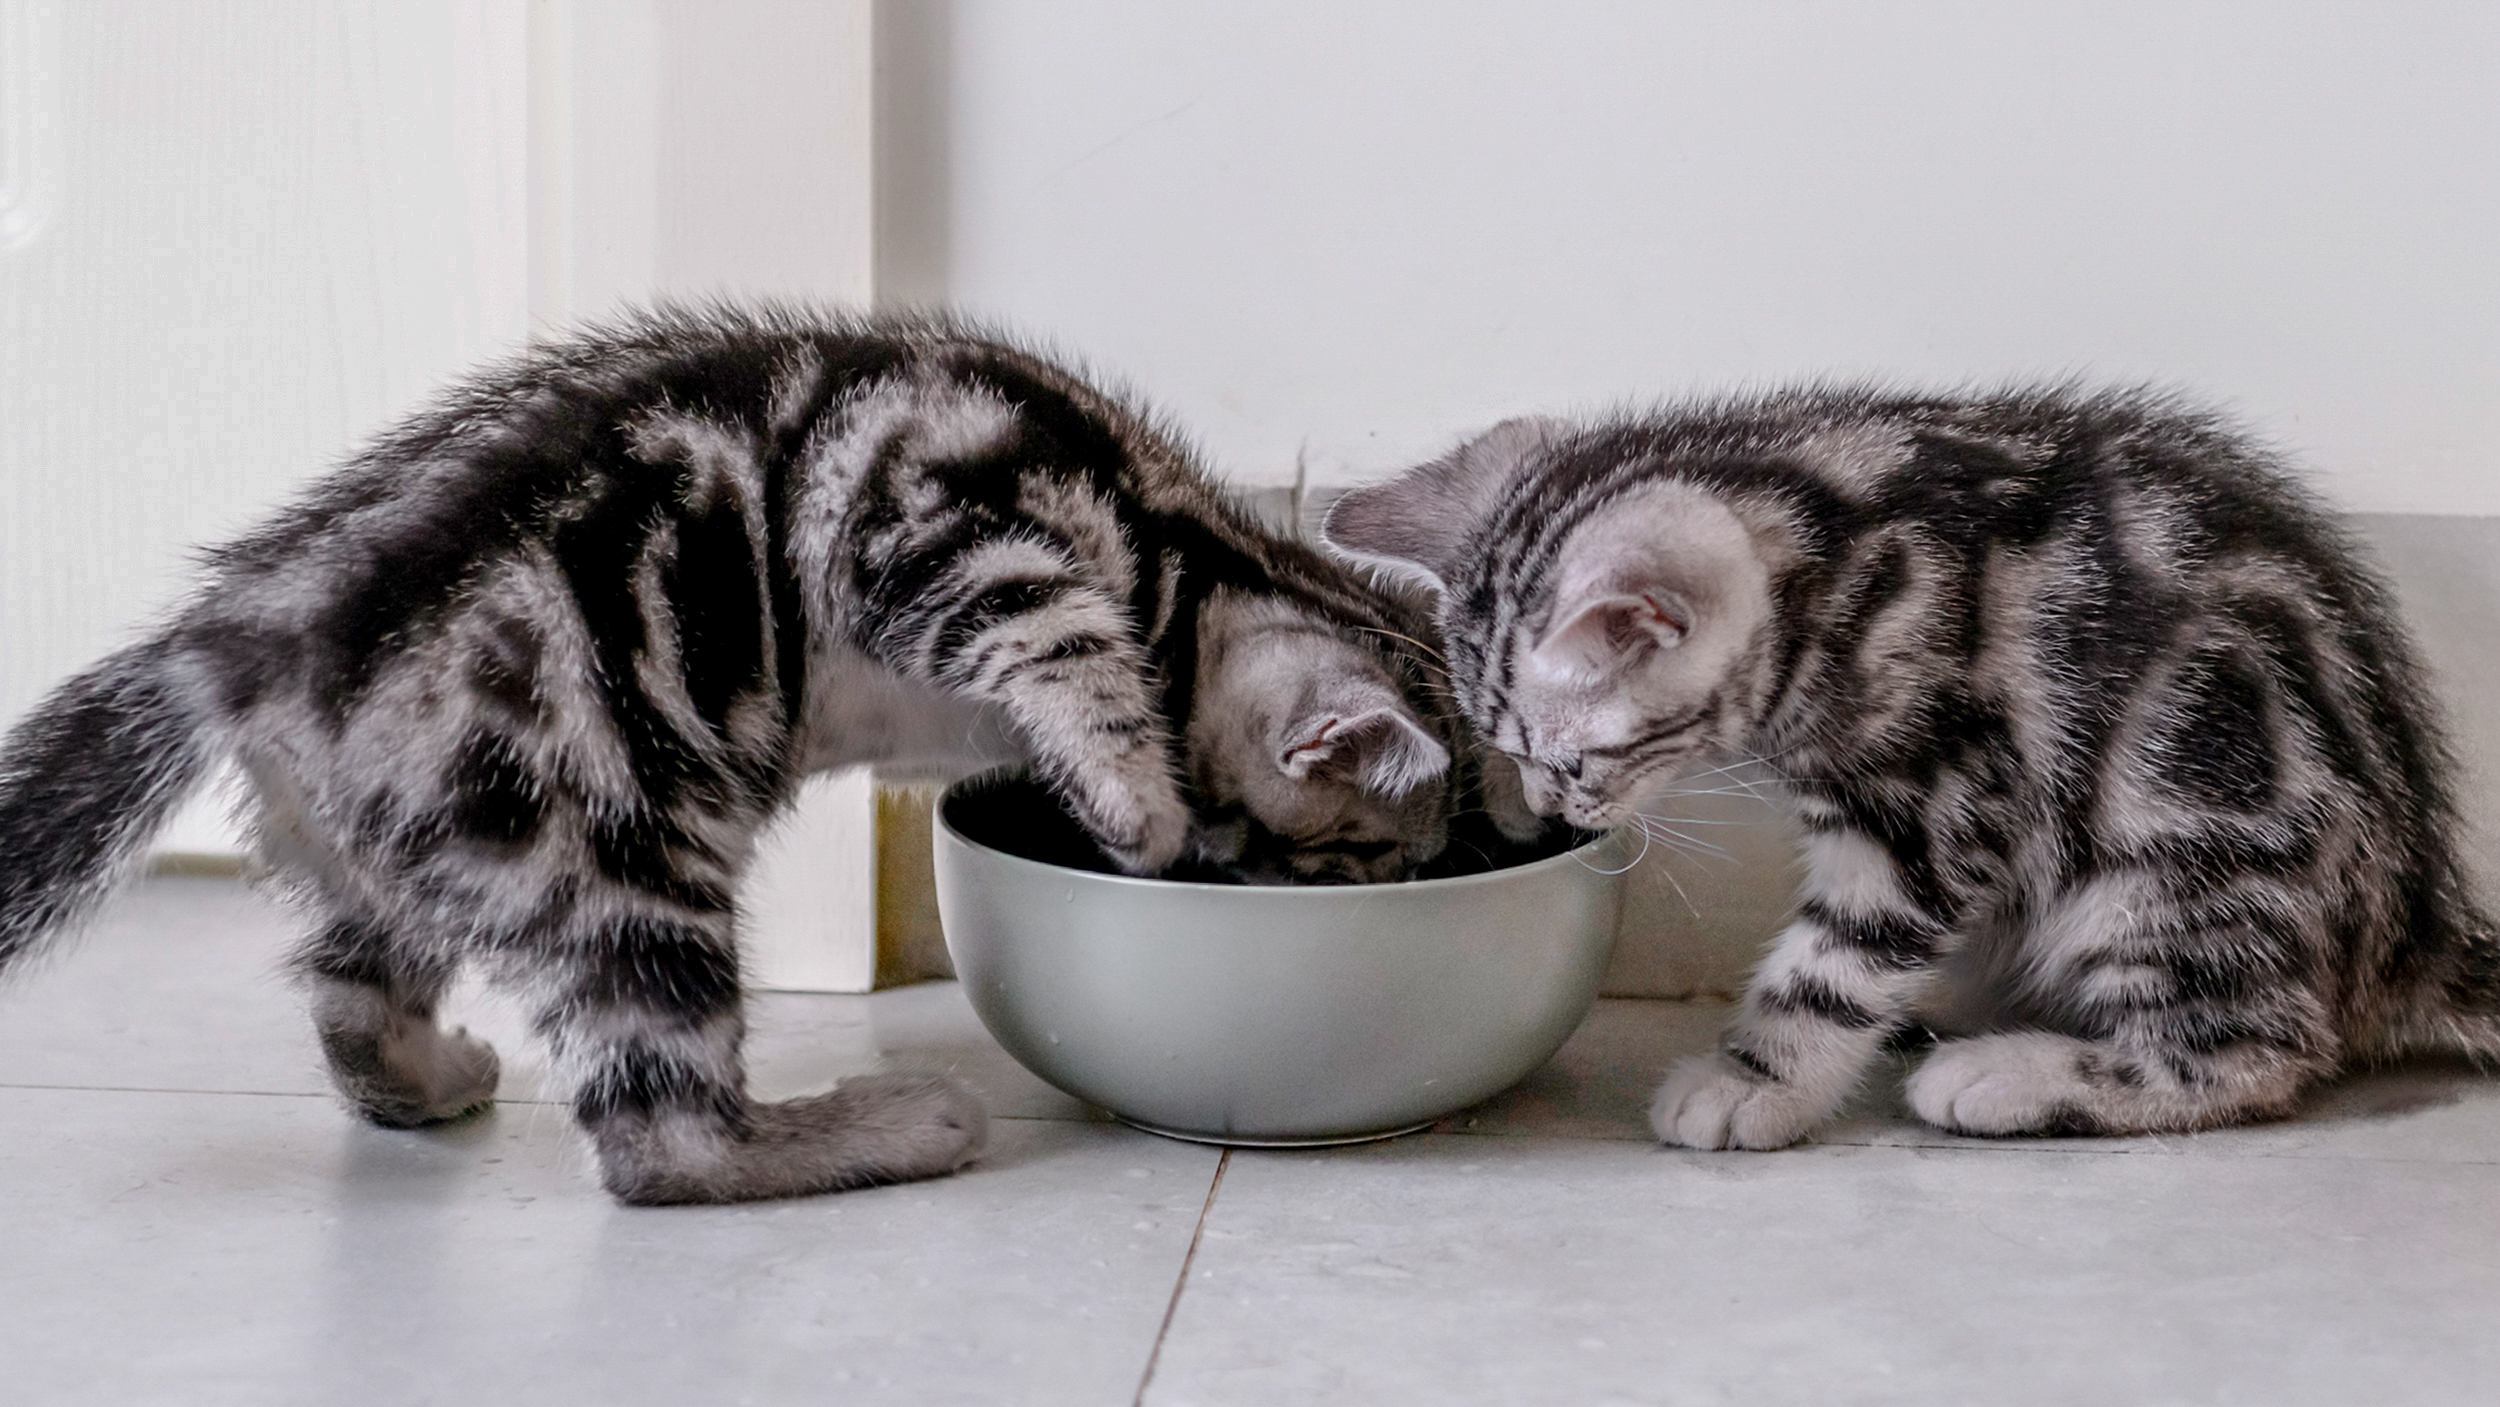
2115	761
520	683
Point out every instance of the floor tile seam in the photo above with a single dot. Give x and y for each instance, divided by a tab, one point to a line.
1180	1284
168	1089
501	1102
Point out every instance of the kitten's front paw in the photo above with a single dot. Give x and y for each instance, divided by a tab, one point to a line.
1711	1102
2008	1084
1146	829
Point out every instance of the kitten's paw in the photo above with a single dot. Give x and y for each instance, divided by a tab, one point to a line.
1146	829
1711	1102
466	1075
870	1130
2029	1082
413	1075
902	1126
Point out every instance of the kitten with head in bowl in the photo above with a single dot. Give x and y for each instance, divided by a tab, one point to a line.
2116	766
519	684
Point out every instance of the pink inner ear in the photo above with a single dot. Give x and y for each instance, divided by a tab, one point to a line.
1318	742
1662	616
1605	632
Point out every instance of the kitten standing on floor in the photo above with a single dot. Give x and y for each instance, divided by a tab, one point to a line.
2115	763
519	685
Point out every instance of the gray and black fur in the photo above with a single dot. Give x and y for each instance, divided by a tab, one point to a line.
2117	767
520	683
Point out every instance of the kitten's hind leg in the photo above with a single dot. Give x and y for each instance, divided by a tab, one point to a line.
2041	1083
648	1019
2191	1025
373	1004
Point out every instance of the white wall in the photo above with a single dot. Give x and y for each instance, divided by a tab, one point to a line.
263	229
694	148
1363	227
237	238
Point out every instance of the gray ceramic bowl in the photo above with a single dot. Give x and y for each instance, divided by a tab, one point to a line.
1296	1015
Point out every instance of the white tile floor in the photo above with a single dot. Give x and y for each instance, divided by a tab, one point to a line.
185	1217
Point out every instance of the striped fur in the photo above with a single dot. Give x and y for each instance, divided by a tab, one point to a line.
2116	765
519	685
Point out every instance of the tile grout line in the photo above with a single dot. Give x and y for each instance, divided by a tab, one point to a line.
332	1095
1155	1356
168	1089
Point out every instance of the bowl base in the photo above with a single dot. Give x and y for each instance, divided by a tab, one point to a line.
1235	1140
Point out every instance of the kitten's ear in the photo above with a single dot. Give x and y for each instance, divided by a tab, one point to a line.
1416	525
1595	637
1381	749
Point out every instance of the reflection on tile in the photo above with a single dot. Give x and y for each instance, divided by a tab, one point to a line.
1480	1270
254	1249
1598	1085
801	1042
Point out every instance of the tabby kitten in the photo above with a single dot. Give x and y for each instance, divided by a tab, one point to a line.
520	683
2115	762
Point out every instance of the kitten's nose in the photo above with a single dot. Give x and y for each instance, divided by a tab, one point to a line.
1589	815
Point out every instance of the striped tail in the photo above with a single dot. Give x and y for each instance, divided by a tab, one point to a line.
85	781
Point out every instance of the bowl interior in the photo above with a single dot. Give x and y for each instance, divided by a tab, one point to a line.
1012	812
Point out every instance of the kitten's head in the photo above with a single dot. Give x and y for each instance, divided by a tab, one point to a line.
1310	763
1604	627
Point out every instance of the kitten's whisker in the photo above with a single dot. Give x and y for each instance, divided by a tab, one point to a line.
1718	791
1669	825
1628	865
1409	639
1678	885
1727	772
1677	840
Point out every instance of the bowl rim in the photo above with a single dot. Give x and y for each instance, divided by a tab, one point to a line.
1305	892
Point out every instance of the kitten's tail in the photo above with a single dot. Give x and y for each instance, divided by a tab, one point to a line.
85	781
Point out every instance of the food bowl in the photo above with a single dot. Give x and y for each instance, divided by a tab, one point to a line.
1271	1016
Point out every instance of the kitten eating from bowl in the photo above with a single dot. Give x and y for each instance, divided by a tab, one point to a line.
2115	761
517	687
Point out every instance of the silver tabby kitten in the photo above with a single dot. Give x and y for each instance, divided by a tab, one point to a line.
2116	764
519	685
